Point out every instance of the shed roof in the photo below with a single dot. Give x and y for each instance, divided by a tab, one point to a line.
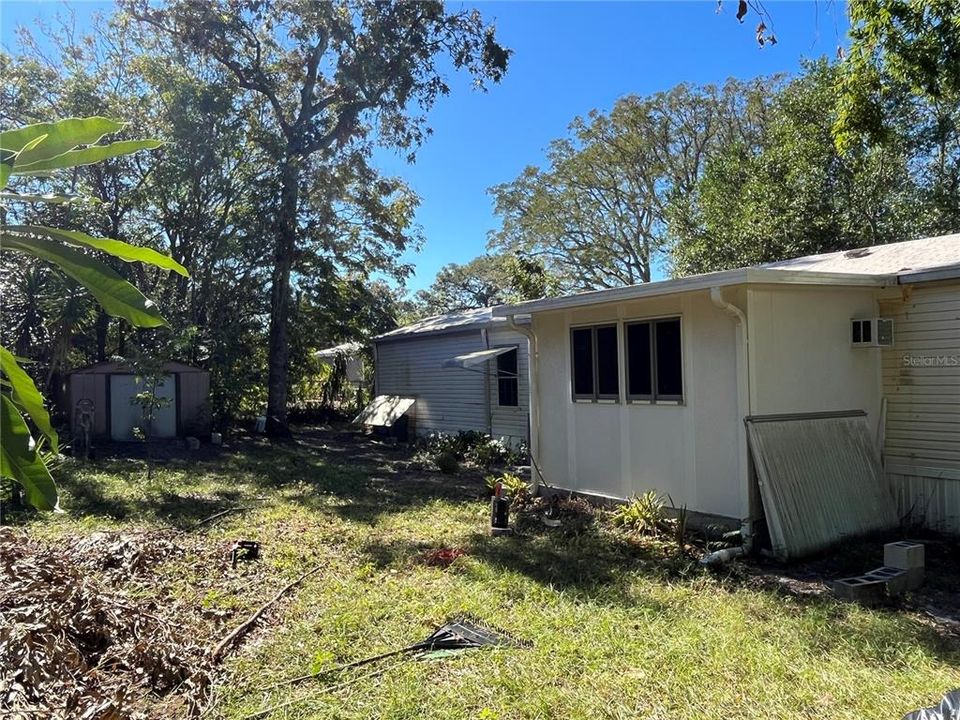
119	366
878	265
347	348
450	322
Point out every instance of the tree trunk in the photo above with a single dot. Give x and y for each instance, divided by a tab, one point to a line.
103	326
286	244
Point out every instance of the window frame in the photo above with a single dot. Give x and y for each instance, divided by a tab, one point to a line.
595	396
654	398
515	378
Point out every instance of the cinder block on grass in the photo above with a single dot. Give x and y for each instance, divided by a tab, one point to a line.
895	579
862	589
904	555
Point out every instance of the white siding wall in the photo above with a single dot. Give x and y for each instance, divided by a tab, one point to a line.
801	359
688	451
921	381
452	399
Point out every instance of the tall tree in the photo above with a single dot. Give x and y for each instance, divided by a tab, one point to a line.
792	193
899	87
484	281
596	213
333	75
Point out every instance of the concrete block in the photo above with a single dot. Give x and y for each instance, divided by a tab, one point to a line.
915	578
862	589
904	555
193	443
895	579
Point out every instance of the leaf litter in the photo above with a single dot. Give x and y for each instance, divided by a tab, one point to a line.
80	639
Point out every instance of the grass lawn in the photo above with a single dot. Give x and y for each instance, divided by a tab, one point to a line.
619	628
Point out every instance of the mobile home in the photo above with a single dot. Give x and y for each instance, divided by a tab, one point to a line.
805	393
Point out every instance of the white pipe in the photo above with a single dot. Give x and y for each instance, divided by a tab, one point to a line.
533	377
745	402
719	557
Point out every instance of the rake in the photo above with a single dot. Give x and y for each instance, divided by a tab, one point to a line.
455	635
459	634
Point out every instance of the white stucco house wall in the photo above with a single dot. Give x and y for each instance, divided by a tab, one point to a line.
465	371
647	387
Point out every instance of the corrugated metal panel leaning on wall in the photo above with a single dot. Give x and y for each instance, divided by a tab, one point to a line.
921	382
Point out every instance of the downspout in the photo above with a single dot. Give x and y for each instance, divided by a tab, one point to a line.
487	390
745	402
533	377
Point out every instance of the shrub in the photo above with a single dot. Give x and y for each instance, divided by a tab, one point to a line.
514	487
643	514
475	447
447	463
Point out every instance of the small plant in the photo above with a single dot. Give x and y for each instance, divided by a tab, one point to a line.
514	487
643	514
447	463
679	523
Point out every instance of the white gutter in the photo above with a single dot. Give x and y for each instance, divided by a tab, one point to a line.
723	278
745	404
533	377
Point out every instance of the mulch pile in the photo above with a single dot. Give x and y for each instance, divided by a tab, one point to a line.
78	641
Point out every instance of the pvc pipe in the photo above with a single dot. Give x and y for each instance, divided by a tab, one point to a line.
720	557
533	375
745	402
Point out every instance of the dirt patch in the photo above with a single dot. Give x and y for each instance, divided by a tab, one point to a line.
76	642
936	602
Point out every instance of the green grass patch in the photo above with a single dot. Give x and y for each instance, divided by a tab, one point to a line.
620	627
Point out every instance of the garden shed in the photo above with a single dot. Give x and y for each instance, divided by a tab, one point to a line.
102	396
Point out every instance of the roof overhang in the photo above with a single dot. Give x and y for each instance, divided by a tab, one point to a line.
473	359
948	272
740	276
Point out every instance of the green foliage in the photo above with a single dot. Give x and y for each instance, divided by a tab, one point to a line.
612	624
595	215
485	281
355	74
474	447
790	193
35	150
514	487
447	462
898	47
643	514
20	460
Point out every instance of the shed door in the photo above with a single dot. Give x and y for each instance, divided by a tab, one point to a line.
124	415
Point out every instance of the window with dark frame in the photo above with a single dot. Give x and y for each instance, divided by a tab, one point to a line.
654	360
508	379
595	363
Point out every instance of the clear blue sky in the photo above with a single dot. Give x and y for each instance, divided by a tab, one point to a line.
569	58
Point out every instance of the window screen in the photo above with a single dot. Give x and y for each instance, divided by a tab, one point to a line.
581	340
669	370
639	368
508	382
608	365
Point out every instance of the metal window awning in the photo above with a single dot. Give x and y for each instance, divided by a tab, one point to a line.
384	410
479	357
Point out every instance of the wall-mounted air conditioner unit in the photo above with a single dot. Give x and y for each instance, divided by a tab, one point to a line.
871	332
